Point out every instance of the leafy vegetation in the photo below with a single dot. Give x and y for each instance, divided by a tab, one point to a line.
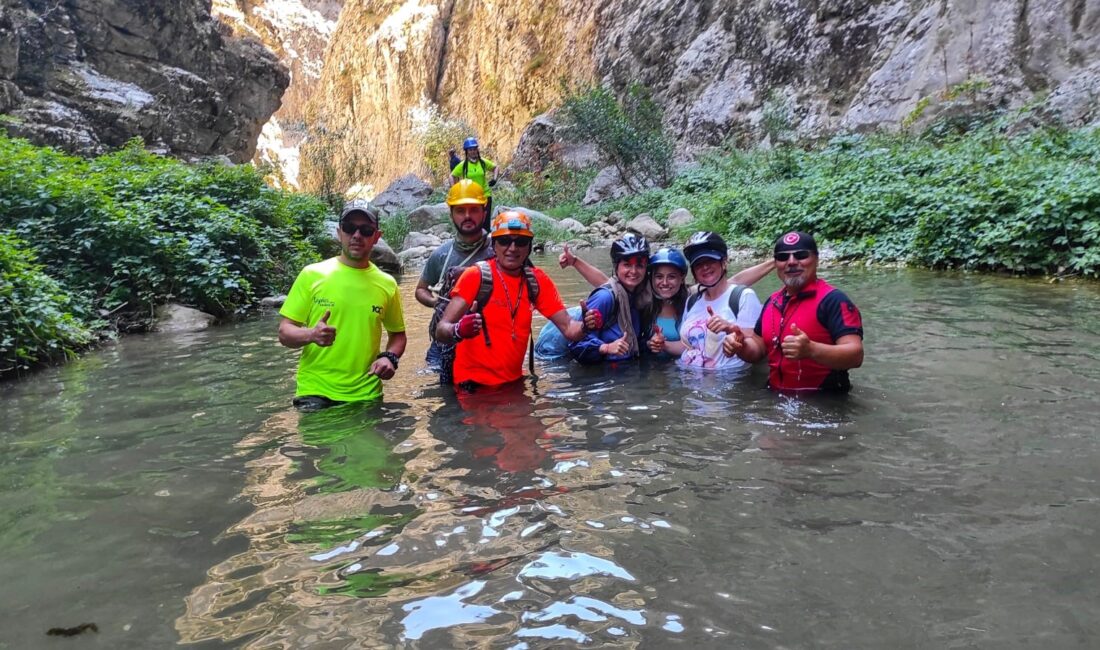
91	245
968	193
628	133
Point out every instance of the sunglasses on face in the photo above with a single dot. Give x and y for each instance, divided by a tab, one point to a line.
520	242
798	255
366	230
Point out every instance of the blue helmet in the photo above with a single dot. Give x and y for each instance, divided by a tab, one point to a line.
670	256
469	143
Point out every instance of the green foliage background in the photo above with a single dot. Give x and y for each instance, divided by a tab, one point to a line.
87	246
970	193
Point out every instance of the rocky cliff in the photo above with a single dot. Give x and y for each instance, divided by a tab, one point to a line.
716	67
87	75
298	33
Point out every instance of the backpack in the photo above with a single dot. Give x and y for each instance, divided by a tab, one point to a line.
484	291
735	299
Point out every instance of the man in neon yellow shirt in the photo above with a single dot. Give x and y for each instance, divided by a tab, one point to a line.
477	169
336	312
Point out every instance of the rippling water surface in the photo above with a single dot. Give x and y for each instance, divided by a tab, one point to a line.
163	489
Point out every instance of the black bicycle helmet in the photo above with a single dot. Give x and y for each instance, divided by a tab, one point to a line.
629	245
705	245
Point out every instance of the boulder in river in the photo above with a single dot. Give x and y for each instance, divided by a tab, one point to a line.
178	318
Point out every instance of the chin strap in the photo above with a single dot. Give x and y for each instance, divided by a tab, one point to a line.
715	283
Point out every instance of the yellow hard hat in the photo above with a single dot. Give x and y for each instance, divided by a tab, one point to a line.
511	222
466	192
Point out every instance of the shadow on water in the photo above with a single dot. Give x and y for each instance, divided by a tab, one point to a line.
164	489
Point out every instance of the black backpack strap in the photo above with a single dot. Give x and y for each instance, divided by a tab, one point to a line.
735	298
532	282
484	291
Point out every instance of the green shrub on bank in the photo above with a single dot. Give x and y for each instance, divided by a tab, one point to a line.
35	323
982	199
125	232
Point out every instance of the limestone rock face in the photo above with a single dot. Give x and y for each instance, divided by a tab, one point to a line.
87	75
720	70
495	65
298	33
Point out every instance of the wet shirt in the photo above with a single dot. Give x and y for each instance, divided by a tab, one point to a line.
825	314
475	171
704	346
363	302
507	317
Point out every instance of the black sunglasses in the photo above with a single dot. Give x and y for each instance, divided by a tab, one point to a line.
798	255
520	242
365	230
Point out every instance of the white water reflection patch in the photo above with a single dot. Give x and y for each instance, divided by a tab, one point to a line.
570	566
436	612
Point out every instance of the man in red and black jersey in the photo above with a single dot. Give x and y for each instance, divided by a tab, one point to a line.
810	332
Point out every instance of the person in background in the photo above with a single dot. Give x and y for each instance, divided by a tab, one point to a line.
470	245
335	313
810	332
480	170
491	325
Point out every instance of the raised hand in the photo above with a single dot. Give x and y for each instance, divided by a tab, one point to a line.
567	258
716	323
734	342
469	325
616	348
796	345
323	334
593	319
657	340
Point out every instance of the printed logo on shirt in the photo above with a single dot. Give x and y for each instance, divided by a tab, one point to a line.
850	314
323	302
376	309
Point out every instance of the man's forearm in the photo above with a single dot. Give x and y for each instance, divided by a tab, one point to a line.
295	336
425	297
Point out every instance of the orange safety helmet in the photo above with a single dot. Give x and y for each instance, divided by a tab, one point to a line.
511	222
466	192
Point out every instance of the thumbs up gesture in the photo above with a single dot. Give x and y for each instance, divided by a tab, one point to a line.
616	348
796	345
323	334
593	319
657	340
716	323
469	325
567	258
734	342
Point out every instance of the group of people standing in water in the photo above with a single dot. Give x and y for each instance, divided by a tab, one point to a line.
484	289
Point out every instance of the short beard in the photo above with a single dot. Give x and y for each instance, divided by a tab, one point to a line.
347	254
794	283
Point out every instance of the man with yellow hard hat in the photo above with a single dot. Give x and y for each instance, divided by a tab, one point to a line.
466	200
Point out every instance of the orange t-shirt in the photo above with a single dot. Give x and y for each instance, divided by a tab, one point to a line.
502	360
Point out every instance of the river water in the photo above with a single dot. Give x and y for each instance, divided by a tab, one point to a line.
163	489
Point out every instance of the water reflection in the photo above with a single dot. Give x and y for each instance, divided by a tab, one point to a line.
635	506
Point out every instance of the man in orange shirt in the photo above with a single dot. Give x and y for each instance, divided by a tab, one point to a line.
492	338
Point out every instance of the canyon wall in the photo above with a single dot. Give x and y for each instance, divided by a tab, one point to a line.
87	75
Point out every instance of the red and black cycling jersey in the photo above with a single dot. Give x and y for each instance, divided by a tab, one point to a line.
825	314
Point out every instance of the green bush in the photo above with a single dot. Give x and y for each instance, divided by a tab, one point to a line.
35	323
130	230
977	197
628	133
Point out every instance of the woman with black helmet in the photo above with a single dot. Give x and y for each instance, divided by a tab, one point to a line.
718	309
619	309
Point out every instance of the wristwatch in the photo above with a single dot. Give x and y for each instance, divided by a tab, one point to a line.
389	355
